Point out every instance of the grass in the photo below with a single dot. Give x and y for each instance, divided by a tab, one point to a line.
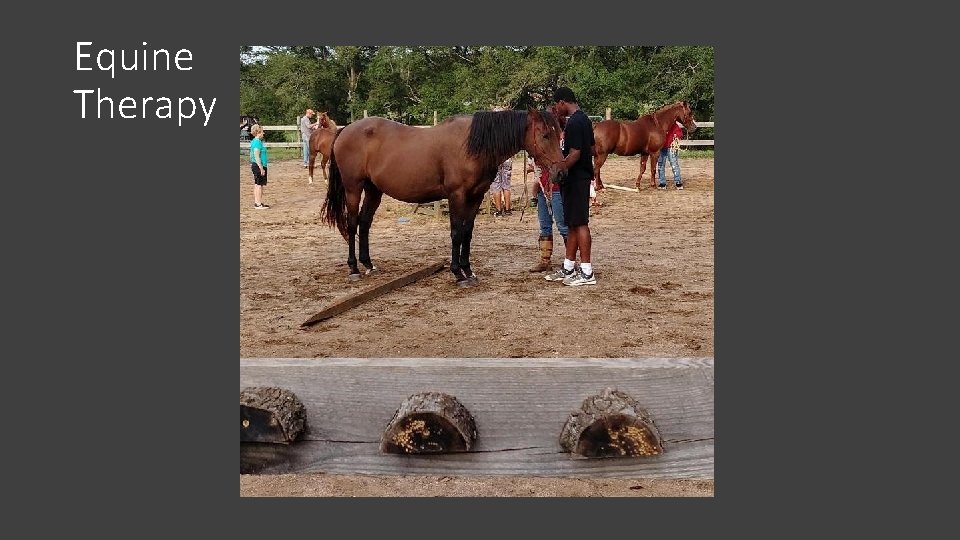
275	154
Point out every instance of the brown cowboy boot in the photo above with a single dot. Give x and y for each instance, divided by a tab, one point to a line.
546	251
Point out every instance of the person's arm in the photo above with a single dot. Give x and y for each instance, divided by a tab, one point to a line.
256	157
571	159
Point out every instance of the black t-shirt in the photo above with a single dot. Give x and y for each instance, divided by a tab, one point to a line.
578	134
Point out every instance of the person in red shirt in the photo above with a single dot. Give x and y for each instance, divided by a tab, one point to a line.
669	151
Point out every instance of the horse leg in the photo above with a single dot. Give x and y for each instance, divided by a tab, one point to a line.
467	237
597	163
643	168
313	159
457	226
653	169
323	165
353	210
371	201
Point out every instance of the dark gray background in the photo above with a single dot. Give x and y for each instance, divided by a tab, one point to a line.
122	247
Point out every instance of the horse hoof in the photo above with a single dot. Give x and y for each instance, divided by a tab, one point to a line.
466	283
372	270
354	277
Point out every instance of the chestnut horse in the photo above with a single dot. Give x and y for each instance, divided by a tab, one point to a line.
456	159
644	136
321	141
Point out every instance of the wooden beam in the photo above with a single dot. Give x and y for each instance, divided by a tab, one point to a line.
621	188
355	300
520	406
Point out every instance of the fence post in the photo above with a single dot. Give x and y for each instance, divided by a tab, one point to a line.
364	113
434	117
608	113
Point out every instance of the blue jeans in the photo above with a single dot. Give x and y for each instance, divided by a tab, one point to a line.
306	151
546	227
671	154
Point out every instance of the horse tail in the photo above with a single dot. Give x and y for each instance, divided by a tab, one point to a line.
334	210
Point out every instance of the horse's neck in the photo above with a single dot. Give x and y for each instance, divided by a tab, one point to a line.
657	121
666	117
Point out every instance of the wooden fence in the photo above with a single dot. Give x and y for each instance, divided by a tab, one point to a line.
299	143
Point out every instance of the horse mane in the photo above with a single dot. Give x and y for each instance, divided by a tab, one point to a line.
494	136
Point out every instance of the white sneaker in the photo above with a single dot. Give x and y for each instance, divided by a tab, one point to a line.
581	279
560	275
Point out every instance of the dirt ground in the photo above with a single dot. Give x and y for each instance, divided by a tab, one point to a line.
652	255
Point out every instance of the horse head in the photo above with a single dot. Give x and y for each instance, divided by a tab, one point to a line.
325	121
542	140
247	121
685	116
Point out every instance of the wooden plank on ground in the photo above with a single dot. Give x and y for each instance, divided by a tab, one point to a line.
621	188
355	300
520	406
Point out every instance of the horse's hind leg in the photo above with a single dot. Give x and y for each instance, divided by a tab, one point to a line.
323	165
353	210
371	201
597	163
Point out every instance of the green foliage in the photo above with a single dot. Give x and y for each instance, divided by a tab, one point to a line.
408	83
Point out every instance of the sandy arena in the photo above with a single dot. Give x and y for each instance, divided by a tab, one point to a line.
653	255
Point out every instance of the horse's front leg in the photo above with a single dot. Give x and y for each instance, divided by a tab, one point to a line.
643	168
472	208
458	219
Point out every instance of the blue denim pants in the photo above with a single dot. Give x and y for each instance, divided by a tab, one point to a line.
671	154
546	226
306	152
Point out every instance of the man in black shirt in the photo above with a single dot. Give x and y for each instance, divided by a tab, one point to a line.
575	189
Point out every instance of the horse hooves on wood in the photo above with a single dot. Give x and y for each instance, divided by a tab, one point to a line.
611	424
269	414
430	423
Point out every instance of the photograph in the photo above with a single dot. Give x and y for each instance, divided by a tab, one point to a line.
477	271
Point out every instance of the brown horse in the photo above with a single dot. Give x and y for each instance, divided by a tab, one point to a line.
321	142
456	160
644	136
